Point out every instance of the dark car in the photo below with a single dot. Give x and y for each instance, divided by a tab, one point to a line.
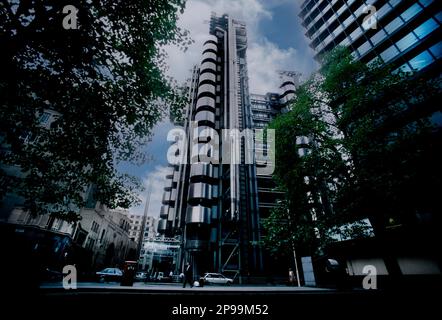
109	275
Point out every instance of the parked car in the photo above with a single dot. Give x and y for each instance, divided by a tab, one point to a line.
215	278
109	274
162	277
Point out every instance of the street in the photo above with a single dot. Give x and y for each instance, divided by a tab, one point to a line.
174	287
171	301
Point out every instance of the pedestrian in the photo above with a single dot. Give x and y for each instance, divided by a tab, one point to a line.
188	276
291	277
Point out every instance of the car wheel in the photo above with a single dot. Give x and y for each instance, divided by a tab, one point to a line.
228	283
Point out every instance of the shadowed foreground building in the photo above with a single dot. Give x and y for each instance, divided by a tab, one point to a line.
403	34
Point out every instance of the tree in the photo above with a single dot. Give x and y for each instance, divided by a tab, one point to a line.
104	79
308	160
369	151
385	117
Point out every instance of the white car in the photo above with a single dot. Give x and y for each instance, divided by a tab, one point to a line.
216	278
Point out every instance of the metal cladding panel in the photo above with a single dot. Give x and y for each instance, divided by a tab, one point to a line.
204	153
288	86
211	37
203	134
198	214
164	211
162	225
205	102
208	65
205	116
206	88
208	55
173	195
197	245
207	76
210	46
200	190
201	169
167	197
168	185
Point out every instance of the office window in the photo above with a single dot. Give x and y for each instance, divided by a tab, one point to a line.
394	3
383	10
439	17
348	21
411	12
337	30
355	54
44	118
406	42
421	61
102	235
95	227
345	42
426	3
341	9
436	50
389	53
328	39
356	34
394	25
364	48
375	60
378	37
405	68
426	28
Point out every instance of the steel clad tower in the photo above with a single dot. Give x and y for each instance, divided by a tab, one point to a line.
211	198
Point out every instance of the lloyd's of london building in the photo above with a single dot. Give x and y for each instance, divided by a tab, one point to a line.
219	191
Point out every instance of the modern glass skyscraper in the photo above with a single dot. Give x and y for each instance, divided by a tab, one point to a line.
404	33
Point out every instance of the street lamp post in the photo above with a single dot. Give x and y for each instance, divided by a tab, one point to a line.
296	265
293	248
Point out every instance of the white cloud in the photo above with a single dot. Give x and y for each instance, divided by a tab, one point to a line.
196	19
157	179
264	57
264	60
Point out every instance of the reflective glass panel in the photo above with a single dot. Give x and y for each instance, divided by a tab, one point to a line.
421	61
407	42
426	28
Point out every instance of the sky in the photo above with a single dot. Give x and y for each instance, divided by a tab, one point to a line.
276	41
